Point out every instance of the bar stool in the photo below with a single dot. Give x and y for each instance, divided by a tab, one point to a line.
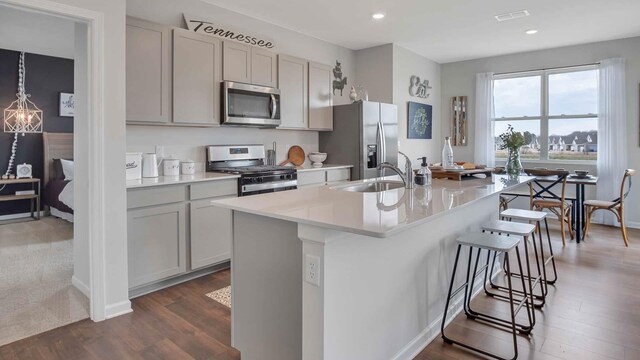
491	243
536	217
517	229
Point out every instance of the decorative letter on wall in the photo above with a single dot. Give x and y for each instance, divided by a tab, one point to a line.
417	88
459	120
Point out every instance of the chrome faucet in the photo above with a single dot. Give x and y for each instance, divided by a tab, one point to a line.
407	176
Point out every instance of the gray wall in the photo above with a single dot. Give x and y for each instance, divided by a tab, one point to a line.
385	72
46	77
406	64
374	71
459	79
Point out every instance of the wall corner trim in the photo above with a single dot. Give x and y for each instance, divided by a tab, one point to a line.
117	309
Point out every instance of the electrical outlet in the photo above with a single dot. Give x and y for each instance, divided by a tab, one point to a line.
312	269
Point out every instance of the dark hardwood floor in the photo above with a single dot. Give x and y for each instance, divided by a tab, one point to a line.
593	312
175	323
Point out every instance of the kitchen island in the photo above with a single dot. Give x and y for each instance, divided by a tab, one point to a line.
331	272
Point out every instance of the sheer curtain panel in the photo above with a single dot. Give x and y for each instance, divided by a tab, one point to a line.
612	133
483	144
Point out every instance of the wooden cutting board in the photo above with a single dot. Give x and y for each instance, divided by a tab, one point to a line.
458	175
295	156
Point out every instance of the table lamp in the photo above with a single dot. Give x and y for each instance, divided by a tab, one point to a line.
21	117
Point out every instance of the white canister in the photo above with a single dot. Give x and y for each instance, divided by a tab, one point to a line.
133	166
171	167
188	167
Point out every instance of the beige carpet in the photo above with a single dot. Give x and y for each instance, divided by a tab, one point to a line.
223	296
36	265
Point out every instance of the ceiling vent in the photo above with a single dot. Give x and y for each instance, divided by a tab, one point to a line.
512	15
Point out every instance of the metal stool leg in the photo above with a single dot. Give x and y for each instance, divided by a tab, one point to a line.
514	309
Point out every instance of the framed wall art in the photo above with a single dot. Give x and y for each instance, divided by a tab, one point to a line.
67	105
419	121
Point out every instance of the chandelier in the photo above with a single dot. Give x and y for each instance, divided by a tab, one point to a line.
22	116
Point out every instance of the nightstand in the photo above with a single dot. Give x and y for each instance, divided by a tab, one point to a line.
33	198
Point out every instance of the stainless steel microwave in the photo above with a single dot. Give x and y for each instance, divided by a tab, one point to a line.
250	105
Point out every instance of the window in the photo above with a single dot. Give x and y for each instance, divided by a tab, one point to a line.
556	110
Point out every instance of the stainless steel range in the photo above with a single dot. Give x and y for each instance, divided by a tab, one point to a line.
248	162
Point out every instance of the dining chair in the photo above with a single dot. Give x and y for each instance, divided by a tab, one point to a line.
541	197
616	206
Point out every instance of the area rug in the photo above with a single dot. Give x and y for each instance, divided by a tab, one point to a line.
223	296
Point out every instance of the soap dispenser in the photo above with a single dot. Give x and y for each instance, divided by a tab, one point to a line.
423	177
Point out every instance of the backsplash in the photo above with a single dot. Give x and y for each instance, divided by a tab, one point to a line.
188	143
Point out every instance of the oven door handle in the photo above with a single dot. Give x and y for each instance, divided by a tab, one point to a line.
269	185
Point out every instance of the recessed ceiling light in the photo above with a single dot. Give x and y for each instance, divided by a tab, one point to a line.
377	16
531	32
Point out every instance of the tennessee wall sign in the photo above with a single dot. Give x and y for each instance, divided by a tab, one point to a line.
226	32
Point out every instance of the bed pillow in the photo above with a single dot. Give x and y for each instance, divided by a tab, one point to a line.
57	170
67	169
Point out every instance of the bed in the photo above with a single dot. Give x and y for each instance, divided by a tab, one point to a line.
58	192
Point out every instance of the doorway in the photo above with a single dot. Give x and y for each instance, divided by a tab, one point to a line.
90	191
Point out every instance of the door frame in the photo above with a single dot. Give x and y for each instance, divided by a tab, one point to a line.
95	76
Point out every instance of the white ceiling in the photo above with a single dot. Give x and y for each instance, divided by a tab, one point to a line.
449	30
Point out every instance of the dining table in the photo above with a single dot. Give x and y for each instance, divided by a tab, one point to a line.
578	213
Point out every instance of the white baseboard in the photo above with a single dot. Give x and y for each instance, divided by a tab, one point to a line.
81	286
20	216
117	309
633	224
426	336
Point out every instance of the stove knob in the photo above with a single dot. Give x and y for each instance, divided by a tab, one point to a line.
260	179
289	176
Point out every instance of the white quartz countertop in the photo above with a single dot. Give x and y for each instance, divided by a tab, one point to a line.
182	179
378	214
305	168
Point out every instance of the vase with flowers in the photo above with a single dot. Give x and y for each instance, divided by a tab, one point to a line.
512	141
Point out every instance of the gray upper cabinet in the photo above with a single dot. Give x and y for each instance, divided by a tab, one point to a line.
236	62
293	80
157	242
197	72
264	67
320	97
148	61
211	233
248	64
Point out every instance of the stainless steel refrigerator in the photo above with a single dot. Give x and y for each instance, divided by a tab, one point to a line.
364	135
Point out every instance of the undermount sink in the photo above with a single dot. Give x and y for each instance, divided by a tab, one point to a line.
374	186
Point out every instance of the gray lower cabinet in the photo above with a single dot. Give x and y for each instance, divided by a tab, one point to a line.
211	233
175	230
157	243
323	177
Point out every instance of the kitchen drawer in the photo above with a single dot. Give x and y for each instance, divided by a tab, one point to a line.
311	177
215	188
137	198
338	175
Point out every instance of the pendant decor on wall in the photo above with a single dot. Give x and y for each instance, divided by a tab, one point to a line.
419	121
418	88
339	81
22	116
459	120
226	32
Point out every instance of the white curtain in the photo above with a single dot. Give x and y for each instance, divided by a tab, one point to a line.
612	133
483	139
